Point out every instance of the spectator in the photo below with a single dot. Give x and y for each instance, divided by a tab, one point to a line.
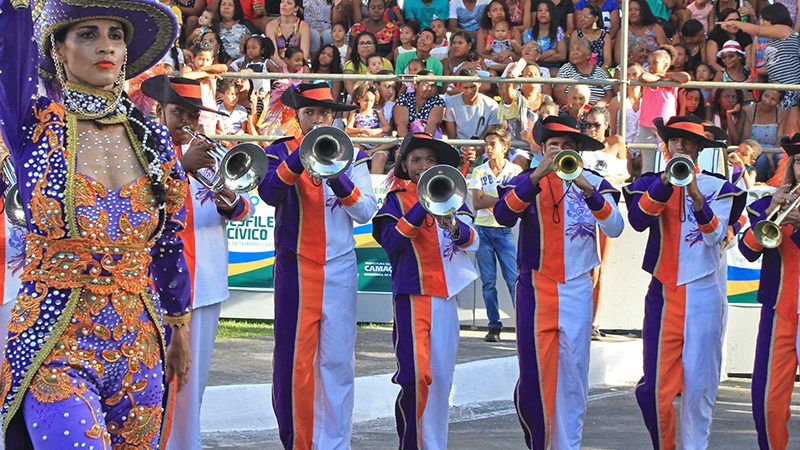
203	69
496	241
520	15
590	28
531	52
782	55
742	161
289	30
495	11
691	102
420	111
742	6
387	33
725	31
461	44
704	72
658	101
703	12
632	102
503	50
643	28
236	115
562	13
549	35
577	104
369	121
233	29
257	58
727	113
680	60
423	53
465	15
469	114
518	112
191	11
609	10
612	161
339	40
218	52
694	39
661	8
580	67
319	16
329	62
387	94
364	46
409	32
767	122
441	40
424	12
208	20
733	60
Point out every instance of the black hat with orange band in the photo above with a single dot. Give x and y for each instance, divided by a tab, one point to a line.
176	91
445	153
314	94
687	127
557	126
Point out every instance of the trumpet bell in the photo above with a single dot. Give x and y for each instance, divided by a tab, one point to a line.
680	171
326	152
442	190
244	167
768	234
568	165
15	212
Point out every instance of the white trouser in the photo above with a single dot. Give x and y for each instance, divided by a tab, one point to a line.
185	434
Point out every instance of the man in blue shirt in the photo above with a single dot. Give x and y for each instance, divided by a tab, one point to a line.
425	11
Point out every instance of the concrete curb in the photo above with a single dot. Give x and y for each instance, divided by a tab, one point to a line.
243	408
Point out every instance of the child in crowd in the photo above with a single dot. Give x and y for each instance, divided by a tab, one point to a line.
207	21
236	114
704	72
546	109
442	41
387	94
328	61
295	61
369	121
742	161
408	39
703	12
203	69
374	63
503	49
258	51
339	38
414	67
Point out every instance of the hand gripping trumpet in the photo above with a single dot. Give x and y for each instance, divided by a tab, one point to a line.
14	209
680	171
568	165
442	190
240	169
768	232
326	152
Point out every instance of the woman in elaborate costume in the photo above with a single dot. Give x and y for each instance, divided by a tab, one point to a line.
103	196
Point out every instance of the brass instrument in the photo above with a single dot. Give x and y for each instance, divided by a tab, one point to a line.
14	209
680	171
240	169
768	231
568	165
326	152
442	190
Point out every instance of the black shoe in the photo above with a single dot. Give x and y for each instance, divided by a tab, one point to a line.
492	336
596	333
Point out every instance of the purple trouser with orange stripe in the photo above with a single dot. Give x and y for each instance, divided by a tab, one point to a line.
425	339
682	338
554	328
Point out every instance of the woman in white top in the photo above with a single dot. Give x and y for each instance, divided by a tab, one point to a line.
632	104
612	164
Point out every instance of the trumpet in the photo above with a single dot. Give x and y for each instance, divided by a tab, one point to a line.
680	171
768	232
326	152
568	165
14	209
240	169
442	190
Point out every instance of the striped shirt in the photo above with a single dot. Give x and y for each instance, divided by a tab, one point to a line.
783	60
569	70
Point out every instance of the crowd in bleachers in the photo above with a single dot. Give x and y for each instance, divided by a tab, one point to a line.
680	40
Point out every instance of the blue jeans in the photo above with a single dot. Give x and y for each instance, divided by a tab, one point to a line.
500	242
763	172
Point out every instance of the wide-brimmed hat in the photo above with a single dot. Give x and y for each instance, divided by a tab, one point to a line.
150	29
718	133
556	126
688	127
445	153
177	91
791	145
316	94
730	46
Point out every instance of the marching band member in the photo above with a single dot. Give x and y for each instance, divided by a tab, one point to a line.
557	251
777	346
315	281
684	306
429	267
205	244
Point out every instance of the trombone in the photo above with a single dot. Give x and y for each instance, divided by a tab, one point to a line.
14	209
240	169
768	232
568	165
442	190
326	152
680	171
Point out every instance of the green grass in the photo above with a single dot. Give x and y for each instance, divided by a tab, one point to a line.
230	329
